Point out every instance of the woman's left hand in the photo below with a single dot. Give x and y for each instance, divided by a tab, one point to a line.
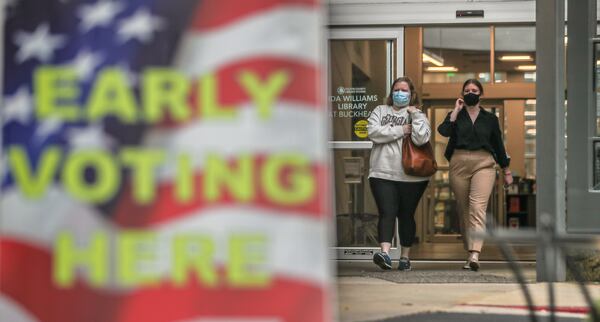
407	129
412	109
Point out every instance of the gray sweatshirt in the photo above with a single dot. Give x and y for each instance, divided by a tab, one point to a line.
385	130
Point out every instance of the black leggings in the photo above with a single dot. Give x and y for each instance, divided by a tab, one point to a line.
397	199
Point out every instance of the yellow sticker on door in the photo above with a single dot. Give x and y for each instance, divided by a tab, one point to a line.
360	129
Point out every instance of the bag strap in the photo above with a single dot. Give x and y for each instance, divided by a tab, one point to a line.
409	118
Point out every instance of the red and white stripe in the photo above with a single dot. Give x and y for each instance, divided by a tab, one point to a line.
227	37
290	32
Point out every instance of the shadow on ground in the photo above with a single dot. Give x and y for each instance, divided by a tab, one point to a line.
438	272
439	276
470	317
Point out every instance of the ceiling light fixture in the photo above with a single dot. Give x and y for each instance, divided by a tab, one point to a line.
526	67
516	58
429	57
442	69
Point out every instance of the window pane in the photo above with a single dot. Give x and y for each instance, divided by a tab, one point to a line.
596	165
360	71
442	214
439	145
356	212
515	54
360	74
454	54
530	133
597	89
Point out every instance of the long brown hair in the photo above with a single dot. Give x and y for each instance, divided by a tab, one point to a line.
415	100
474	82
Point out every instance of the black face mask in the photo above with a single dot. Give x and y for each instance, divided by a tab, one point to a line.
471	99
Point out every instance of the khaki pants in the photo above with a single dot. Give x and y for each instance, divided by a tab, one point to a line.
472	176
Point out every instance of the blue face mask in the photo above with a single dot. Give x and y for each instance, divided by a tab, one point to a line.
401	98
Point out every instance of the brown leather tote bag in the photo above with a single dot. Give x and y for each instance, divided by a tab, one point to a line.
418	160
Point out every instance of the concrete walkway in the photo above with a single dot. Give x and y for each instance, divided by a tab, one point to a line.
372	299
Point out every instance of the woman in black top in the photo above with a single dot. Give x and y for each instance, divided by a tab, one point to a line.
474	148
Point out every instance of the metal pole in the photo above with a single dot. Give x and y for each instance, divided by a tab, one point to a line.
550	138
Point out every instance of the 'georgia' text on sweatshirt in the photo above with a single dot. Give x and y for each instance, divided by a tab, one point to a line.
386	131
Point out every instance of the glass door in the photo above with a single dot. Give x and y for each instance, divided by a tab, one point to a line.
361	66
441	217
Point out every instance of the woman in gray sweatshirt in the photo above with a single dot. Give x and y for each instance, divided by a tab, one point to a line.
396	193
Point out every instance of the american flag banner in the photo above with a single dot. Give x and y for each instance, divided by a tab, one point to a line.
164	160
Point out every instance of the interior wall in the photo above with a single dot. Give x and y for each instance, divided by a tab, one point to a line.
413	51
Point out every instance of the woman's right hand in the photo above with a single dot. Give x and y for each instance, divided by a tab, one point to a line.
460	103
